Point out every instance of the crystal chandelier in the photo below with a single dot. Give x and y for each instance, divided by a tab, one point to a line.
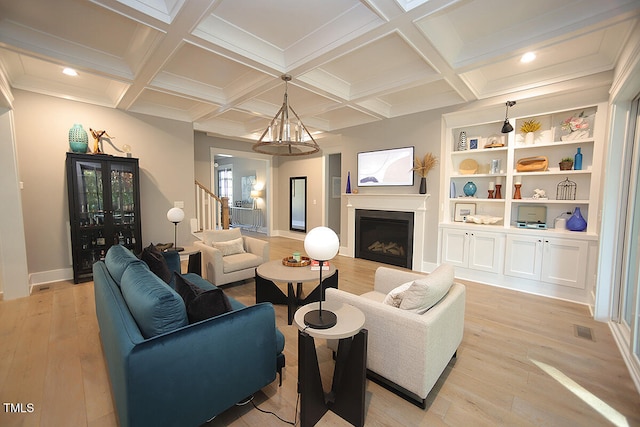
286	136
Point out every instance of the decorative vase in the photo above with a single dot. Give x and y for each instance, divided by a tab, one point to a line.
576	222
462	141
577	160
529	138
78	139
348	190
423	185
469	189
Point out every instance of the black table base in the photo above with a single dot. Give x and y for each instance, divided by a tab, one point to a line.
347	395
267	291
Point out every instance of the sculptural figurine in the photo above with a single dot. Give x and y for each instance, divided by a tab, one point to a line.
97	134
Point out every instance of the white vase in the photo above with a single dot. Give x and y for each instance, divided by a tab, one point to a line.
529	138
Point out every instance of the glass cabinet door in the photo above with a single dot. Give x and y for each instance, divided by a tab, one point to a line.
90	222
123	204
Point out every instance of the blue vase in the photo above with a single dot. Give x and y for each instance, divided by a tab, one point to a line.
469	189
576	222
348	189
577	160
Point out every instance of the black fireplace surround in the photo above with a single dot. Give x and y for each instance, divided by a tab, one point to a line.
384	236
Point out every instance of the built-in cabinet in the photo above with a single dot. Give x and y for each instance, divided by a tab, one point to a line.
104	208
495	248
551	260
476	250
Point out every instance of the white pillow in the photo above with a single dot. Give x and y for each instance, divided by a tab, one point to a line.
394	298
230	247
425	293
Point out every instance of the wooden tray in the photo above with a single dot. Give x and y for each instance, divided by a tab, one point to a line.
291	262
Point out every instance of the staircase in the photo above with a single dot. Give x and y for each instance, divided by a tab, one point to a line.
212	212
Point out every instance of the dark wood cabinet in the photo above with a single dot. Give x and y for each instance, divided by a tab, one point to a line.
104	208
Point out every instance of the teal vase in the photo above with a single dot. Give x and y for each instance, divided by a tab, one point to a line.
78	139
469	189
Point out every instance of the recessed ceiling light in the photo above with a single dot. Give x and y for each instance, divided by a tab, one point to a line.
70	72
528	57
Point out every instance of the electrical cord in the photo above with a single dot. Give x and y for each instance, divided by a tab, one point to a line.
295	419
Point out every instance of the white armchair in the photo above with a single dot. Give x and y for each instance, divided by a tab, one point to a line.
406	350
228	256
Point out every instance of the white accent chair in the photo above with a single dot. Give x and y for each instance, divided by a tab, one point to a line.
407	351
228	256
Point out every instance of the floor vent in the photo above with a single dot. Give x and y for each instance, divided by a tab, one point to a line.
584	332
43	288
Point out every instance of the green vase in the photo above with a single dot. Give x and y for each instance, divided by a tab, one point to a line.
78	139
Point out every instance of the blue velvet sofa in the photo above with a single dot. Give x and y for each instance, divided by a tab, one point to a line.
164	371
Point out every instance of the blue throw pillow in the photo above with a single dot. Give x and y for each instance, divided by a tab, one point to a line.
201	304
156	307
117	260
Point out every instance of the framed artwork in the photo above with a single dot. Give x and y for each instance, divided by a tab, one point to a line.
463	210
247	183
474	142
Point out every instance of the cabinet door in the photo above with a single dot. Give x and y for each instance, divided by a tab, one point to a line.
454	247
565	262
523	257
125	204
486	251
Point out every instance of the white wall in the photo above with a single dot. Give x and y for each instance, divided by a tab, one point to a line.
164	147
14	281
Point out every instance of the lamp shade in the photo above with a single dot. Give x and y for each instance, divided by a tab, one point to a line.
175	215
321	244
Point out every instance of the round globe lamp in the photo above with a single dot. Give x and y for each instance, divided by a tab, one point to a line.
321	244
175	215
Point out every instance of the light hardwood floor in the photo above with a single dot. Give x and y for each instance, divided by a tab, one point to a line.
520	363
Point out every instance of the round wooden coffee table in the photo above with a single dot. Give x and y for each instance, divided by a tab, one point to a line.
275	271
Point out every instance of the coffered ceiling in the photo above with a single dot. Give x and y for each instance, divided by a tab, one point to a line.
217	63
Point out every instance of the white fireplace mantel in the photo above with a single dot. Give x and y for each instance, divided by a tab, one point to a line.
416	203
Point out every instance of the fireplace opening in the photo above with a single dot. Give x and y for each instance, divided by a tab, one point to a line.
384	236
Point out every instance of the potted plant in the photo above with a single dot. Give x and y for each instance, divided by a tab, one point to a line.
422	167
528	128
566	164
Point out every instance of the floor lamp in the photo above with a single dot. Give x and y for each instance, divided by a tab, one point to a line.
321	244
175	215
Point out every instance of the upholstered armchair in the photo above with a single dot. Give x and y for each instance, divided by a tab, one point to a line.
409	347
228	256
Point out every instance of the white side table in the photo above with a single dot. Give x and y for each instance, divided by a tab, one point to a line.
347	394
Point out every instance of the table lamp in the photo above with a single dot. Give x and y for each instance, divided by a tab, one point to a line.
175	215
321	244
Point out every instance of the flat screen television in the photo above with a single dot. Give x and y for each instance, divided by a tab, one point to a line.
392	167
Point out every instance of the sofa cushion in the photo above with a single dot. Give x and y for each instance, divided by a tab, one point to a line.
156	307
152	256
230	247
117	260
210	236
423	294
239	262
201	304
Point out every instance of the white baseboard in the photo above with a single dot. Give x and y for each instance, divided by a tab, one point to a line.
44	277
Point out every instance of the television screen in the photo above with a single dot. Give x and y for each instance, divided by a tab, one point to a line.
386	167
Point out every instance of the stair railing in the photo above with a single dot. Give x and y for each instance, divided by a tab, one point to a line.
212	212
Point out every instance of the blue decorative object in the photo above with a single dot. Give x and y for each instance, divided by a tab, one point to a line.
576	222
348	190
78	139
469	189
577	160
452	190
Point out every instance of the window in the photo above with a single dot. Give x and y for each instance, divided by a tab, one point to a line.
225	182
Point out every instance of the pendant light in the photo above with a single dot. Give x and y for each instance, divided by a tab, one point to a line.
506	127
286	135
